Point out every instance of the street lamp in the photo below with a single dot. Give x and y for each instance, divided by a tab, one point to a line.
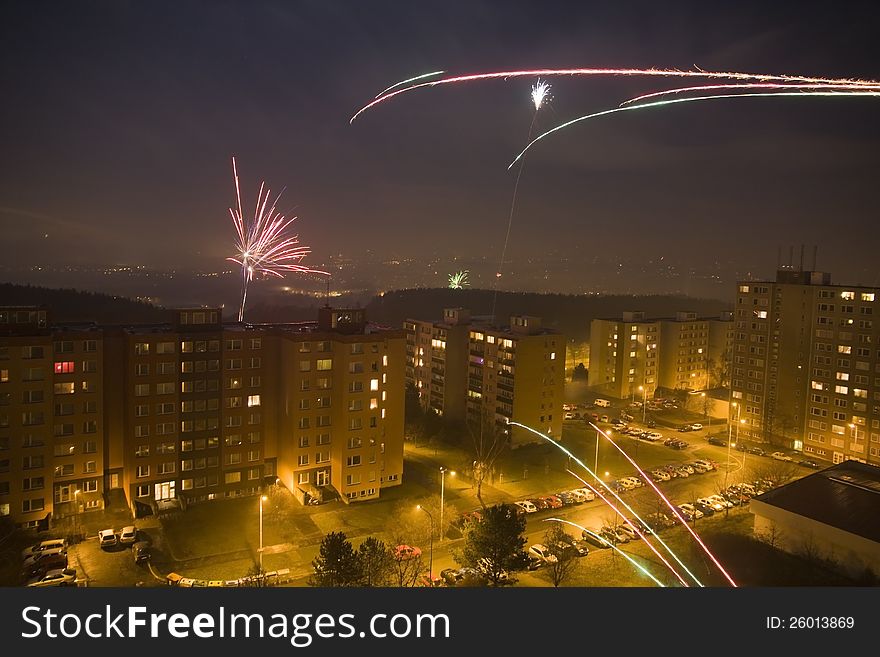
443	472
263	498
644	402
431	545
76	512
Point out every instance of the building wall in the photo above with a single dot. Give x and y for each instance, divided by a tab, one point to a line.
797	534
806	364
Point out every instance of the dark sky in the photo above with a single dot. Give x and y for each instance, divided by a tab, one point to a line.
119	120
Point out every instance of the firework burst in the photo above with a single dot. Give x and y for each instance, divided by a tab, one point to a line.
540	93
264	246
459	280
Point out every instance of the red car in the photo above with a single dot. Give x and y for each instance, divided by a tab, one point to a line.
552	502
403	552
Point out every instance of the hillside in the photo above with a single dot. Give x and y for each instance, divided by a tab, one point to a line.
68	305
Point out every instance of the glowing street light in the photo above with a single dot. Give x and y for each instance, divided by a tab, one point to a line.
263	498
443	472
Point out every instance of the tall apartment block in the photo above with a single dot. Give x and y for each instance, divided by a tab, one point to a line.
478	372
806	369
634	355
194	410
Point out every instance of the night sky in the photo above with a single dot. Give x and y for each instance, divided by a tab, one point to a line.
119	120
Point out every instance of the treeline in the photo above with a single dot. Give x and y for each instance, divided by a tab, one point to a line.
69	305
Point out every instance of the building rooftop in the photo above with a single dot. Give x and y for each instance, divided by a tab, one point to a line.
846	496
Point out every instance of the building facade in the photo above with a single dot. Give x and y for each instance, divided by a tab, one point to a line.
194	410
634	355
489	375
806	370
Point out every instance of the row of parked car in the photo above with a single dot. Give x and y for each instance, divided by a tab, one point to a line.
110	538
45	564
721	441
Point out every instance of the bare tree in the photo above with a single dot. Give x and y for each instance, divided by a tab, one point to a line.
566	562
776	472
407	572
772	536
488	443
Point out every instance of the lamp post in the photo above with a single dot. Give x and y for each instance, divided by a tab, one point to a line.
443	472
263	498
644	388
76	512
745	452
431	545
596	464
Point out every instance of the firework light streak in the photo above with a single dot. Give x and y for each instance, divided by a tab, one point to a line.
751	85
540	95
609	489
611	545
691	99
636	529
459	280
614	72
402	82
671	506
264	247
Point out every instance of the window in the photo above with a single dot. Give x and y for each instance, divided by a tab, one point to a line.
303	478
253	455
232	477
143	471
255	362
90	345
256	343
303	441
374	384
167	468
303	459
90	467
142	348
142	390
324	364
233	345
90	447
142	450
253	400
255	382
353	461
141	369
64	470
352	479
36	504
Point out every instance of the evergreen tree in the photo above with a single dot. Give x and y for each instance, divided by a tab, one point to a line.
337	563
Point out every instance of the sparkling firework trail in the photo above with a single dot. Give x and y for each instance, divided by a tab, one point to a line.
403	82
692	99
671	506
459	280
611	545
636	529
609	489
540	94
750	85
614	72
263	245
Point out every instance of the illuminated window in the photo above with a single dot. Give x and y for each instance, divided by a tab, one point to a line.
64	367
867	296
849	296
374	384
253	400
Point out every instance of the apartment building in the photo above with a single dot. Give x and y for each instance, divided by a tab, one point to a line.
466	369
634	355
194	410
806	370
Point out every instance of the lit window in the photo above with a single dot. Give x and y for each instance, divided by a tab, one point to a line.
253	400
374	384
65	367
867	296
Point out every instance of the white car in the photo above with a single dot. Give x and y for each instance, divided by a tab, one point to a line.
727	504
706	464
578	495
526	506
542	552
107	538
690	512
44	557
779	456
589	495
629	531
696	427
715	504
58	577
660	475
568	416
627	485
44	545
635	481
128	535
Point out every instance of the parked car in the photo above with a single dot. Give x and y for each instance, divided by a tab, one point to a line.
56	577
568	416
484	567
451	576
140	551
580	547
709	465
614	535
629	531
625	484
526	506
128	535
660	475
107	538
541	551
44	545
717	440
534	562
683	471
809	463
659	520
404	552
690	512
604	403
715	505
589	495
552	502
653	436
696	426
578	496
539	502
634	481
757	451
725	503
566	497
707	509
645	529
781	456
698	468
44	561
685	428
595	538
